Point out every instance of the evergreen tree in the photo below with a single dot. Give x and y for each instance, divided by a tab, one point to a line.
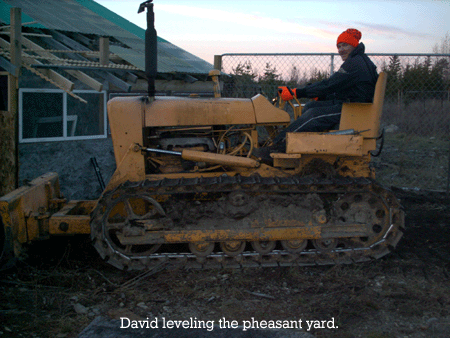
245	70
318	75
270	80
442	65
242	82
294	78
425	80
439	76
394	72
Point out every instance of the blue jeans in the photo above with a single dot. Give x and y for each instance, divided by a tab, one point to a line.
316	116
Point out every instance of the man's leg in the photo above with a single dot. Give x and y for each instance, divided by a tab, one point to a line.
318	116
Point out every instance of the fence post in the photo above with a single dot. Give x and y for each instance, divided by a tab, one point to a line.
9	130
332	65
218	62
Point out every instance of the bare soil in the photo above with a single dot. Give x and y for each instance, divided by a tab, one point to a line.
63	286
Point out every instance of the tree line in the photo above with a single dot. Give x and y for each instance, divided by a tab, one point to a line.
426	78
247	81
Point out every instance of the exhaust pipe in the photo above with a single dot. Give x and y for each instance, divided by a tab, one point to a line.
151	50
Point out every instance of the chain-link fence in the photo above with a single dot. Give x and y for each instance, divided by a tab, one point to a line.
416	113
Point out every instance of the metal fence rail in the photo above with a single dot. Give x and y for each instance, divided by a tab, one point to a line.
416	113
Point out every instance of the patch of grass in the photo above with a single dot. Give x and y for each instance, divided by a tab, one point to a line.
413	161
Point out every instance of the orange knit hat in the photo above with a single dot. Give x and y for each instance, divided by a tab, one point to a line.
350	36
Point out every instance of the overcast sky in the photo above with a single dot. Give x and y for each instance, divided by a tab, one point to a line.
209	27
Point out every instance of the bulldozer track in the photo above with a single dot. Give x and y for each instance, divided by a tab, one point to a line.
343	191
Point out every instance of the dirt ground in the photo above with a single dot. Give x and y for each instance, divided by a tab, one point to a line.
63	286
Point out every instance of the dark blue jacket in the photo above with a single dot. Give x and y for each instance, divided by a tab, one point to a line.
353	82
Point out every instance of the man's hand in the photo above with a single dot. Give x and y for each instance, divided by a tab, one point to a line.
287	93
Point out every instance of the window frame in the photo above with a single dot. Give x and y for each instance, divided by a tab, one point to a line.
65	137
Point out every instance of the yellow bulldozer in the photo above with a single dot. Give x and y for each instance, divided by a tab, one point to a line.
189	191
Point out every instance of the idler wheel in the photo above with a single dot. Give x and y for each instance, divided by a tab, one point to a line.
121	218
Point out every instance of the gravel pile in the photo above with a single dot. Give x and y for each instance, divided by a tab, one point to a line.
72	161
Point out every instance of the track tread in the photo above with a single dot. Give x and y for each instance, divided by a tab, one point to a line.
225	183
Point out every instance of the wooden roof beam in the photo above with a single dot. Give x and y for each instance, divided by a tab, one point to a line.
94	84
108	76
8	66
59	80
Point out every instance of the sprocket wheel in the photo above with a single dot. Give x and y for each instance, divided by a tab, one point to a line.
363	208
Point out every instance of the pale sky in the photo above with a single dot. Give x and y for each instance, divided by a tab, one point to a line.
209	27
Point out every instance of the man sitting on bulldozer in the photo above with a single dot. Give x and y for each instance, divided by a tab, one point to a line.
353	82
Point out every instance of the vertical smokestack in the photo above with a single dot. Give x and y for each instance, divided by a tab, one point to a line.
151	51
